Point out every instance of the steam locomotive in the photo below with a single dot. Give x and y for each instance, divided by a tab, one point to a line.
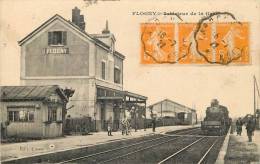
217	121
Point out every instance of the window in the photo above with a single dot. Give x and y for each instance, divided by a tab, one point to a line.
117	74
57	38
21	116
13	116
110	93
101	92
52	114
31	115
103	70
110	70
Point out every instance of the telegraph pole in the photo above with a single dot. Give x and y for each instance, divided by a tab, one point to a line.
255	89
254	97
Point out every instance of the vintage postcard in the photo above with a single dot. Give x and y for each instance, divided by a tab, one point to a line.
125	81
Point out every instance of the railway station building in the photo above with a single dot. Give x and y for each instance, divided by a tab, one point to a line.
60	52
172	113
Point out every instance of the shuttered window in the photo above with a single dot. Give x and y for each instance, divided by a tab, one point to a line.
103	70
117	74
57	38
52	113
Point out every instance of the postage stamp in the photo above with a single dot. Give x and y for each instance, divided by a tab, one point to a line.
195	43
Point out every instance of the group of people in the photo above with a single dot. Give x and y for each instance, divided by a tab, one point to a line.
250	127
125	127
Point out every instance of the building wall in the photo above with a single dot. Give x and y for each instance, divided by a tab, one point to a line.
103	55
84	98
52	129
193	118
109	114
98	116
166	108
80	99
79	70
170	109
111	62
23	129
36	128
119	63
56	64
3	114
158	108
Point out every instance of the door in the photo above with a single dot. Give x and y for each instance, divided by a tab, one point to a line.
103	116
116	112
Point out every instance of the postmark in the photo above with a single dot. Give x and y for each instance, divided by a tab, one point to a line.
216	39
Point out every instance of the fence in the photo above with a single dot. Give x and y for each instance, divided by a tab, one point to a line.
165	121
86	125
79	125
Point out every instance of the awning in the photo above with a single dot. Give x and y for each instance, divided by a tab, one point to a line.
105	93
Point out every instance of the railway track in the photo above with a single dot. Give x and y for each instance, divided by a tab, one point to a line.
195	152
191	131
96	155
160	149
127	146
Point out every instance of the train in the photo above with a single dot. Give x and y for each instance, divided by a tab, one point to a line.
217	120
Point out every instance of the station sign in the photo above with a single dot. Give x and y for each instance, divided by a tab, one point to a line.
56	50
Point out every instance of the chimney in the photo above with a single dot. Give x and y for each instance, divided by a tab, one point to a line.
106	30
108	37
82	22
78	19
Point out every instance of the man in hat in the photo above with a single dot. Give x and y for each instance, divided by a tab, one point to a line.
109	127
239	125
250	127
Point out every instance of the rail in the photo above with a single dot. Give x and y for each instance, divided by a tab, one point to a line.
207	152
136	151
128	146
178	152
111	150
159	141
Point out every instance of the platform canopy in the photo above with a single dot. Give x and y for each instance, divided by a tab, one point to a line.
106	94
125	100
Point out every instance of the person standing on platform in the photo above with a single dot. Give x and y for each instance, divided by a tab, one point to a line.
68	125
123	126
233	126
239	125
250	127
109	127
154	124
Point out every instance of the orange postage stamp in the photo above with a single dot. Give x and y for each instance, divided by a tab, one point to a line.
219	43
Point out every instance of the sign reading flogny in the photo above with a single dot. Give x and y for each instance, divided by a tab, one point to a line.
56	51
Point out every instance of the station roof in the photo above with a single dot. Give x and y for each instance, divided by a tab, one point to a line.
120	95
73	26
173	102
14	93
131	94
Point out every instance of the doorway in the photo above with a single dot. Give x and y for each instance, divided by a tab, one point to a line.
103	116
116	111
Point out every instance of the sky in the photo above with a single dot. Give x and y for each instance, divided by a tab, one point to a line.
191	85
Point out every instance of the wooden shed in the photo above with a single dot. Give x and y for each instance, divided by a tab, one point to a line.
32	111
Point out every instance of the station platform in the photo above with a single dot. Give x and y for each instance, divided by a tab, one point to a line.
237	149
241	151
12	151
